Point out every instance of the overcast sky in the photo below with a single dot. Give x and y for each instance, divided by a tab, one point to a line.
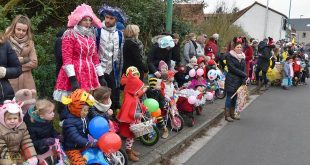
299	7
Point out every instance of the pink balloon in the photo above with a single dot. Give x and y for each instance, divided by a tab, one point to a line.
192	73
200	72
192	100
209	96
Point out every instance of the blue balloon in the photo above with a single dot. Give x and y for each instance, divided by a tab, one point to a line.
98	126
94	156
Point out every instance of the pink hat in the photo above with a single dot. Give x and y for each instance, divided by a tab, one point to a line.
80	12
162	64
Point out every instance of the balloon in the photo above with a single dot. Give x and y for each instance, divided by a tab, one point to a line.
209	96
156	113
192	73
109	143
151	104
192	100
98	126
212	74
218	72
200	72
94	156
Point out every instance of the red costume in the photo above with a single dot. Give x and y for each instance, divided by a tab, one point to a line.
211	47
132	92
248	51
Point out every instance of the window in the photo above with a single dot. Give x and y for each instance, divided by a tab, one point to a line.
304	35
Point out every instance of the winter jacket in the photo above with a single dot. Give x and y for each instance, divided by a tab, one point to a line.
25	80
39	130
156	94
176	54
75	132
296	67
157	54
236	75
15	142
287	70
211	47
265	55
10	61
200	50
189	51
93	112
133	55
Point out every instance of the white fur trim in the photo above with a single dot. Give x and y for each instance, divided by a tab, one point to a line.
99	70
2	72
69	69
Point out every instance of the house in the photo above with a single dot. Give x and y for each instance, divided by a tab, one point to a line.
252	19
302	28
190	12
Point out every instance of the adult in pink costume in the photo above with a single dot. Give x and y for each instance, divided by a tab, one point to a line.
81	68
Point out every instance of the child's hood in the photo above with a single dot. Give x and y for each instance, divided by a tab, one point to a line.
11	107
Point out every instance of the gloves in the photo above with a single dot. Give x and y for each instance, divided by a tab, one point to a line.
2	72
49	141
74	84
91	144
26	60
32	161
102	81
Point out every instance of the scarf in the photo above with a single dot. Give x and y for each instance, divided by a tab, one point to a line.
103	107
239	57
89	32
34	116
110	29
18	44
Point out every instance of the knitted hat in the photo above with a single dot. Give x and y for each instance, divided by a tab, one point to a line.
77	100
80	12
134	70
215	36
153	82
193	60
162	64
211	62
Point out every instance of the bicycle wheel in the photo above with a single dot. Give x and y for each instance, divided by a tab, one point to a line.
118	158
150	138
176	123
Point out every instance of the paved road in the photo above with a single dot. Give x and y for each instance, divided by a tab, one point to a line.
274	130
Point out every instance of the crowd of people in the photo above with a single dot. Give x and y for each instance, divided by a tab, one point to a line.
98	60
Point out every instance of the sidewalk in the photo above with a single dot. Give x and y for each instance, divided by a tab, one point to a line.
165	147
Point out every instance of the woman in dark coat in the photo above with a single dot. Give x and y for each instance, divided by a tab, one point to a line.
161	51
235	77
10	68
133	52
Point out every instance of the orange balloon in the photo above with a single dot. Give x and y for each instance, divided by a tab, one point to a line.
109	142
156	113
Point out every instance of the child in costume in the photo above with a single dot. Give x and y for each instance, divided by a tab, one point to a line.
192	64
198	79
297	69
288	75
39	124
181	76
131	110
15	140
154	92
103	103
74	127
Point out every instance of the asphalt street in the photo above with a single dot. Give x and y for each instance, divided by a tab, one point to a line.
273	130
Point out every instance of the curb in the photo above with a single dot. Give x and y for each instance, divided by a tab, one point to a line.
214	113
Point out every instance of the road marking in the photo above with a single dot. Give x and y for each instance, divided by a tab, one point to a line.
200	142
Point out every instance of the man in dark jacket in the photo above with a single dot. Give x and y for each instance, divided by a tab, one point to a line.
264	49
162	50
10	68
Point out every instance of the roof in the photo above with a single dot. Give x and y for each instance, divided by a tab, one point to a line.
190	12
300	24
243	11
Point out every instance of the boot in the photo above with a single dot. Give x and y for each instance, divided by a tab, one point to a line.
257	88
136	153
233	114
227	116
165	133
131	156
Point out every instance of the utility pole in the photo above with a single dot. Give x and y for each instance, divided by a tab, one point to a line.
266	20
169	16
288	21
